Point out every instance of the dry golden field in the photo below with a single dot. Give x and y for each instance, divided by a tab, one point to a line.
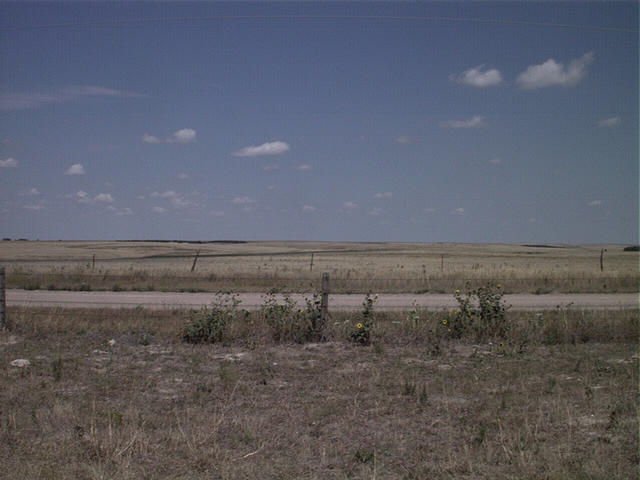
353	267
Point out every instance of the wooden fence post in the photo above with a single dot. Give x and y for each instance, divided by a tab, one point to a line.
324	304
311	266
195	259
3	300
602	250
93	262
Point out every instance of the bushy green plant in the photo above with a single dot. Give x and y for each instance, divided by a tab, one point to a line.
288	322
211	324
361	331
481	311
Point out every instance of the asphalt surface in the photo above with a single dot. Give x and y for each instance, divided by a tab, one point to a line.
253	301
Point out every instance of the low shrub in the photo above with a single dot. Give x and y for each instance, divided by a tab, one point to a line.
211	324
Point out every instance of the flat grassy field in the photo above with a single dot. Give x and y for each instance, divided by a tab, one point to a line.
117	394
353	267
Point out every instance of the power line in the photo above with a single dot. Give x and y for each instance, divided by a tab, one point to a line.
125	21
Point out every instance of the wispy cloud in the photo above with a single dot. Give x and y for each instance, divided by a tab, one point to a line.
178	200
32	192
595	203
183	176
185	135
269	148
457	211
404	139
374	212
552	73
271	166
477	121
82	197
309	208
124	212
349	205
146	138
8	163
242	200
75	169
495	161
383	195
609	122
216	213
159	210
33	207
475	77
27	100
103	198
304	167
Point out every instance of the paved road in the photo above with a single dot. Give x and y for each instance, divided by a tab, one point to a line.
253	301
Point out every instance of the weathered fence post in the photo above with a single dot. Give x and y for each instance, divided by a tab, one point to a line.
3	300
311	266
195	259
93	262
324	303
602	250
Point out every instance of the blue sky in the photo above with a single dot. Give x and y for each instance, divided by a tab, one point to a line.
372	121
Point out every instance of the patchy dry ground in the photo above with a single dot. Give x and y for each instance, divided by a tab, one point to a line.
147	405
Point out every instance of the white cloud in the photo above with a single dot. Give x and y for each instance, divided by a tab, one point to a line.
103	197
383	195
186	135
33	207
375	211
309	208
75	169
271	166
475	77
495	161
124	212
269	148
165	194
477	121
146	138
159	210
595	203
271	187
552	73
26	100
609	122
404	139
216	213
183	176
458	211
305	167
242	200
350	205
83	197
8	163
32	192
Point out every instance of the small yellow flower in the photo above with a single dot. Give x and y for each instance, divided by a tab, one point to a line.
359	325
444	322
449	330
457	292
499	286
